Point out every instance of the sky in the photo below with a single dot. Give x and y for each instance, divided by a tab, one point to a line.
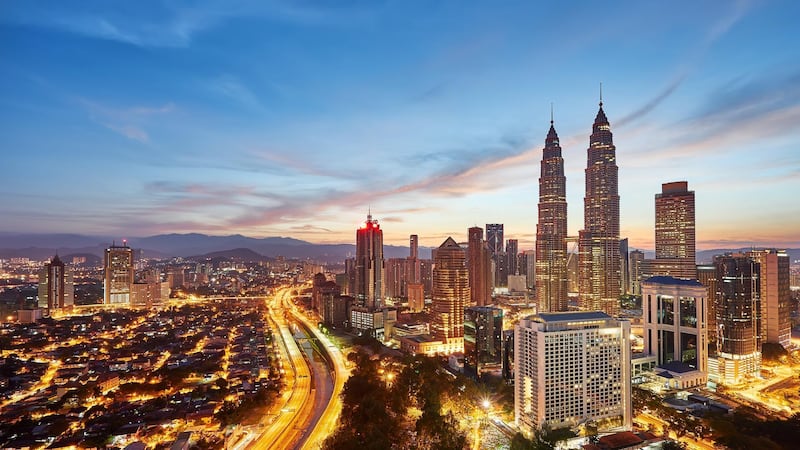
296	118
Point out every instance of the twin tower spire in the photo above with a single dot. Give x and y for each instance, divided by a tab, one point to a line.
598	243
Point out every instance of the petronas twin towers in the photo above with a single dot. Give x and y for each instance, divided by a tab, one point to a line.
598	242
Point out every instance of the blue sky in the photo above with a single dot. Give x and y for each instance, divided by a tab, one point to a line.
278	118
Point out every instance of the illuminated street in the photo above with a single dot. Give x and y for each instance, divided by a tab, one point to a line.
310	404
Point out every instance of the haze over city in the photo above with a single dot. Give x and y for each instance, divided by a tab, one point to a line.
293	119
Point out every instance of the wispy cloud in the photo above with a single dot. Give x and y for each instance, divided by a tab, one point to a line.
130	132
125	121
232	88
170	24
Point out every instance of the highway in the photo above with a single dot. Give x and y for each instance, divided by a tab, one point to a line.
310	406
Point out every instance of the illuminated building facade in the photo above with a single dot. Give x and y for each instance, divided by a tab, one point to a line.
776	322
571	368
551	230
480	266
675	231
674	312
738	311
118	280
598	242
483	339
369	265
450	293
56	287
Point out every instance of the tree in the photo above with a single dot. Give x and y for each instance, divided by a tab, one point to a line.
673	445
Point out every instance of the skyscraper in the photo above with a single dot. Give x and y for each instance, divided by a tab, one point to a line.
675	231
624	267
479	266
571	368
450	292
512	257
635	261
369	264
738	311
776	323
414	288
707	275
494	239
598	242
118	283
56	288
551	230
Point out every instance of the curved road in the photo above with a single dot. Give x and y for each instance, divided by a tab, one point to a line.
311	407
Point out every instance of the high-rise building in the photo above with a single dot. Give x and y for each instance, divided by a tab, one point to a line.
450	293
707	276
776	322
483	339
635	261
479	266
738	311
414	288
414	270
571	368
598	242
118	282
56	287
624	267
674	311
369	265
494	240
512	257
551	229
395	277
675	231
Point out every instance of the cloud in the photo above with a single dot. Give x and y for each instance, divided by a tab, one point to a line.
232	88
126	121
309	228
174	24
130	132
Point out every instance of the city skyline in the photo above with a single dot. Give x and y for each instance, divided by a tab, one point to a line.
293	120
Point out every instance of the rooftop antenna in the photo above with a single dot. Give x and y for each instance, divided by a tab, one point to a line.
601	94
551	113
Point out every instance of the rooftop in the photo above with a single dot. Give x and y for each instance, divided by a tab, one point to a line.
573	315
673	281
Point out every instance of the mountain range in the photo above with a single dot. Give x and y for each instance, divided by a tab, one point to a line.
41	246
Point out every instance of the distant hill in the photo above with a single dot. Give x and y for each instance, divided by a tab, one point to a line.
184	245
236	254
